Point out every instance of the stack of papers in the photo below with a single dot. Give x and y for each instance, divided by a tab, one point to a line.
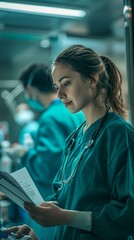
19	187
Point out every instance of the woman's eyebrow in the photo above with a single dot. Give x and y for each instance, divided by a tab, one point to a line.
63	78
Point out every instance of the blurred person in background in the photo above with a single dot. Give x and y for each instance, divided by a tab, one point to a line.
55	124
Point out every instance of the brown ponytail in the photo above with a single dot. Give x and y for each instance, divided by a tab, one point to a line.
113	83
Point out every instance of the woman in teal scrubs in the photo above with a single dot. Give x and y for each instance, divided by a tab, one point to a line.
94	188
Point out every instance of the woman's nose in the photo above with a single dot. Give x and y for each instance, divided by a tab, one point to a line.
61	94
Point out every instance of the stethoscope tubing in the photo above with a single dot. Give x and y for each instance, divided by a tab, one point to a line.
87	146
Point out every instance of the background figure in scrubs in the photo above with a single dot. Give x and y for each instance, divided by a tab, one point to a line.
55	124
94	188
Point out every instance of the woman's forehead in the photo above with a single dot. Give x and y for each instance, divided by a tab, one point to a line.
60	70
62	65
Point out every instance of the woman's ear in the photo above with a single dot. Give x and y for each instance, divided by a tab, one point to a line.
93	81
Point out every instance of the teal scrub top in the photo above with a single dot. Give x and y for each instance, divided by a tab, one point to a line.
102	181
31	128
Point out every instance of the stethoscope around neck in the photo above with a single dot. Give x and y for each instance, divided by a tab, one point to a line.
71	144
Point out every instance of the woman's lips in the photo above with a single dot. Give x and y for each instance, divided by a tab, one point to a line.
67	103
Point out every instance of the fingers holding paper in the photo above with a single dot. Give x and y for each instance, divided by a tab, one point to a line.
47	214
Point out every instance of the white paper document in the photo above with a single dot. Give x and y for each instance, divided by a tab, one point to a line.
19	187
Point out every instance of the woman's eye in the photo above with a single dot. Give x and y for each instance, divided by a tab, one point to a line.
66	84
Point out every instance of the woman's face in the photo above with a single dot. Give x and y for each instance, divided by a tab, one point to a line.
75	91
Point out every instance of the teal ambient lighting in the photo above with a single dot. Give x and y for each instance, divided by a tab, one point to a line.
42	10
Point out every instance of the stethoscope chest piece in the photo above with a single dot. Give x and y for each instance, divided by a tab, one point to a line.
90	143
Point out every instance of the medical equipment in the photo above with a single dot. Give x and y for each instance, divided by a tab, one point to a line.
71	146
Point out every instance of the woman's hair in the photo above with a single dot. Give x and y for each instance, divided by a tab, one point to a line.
88	63
37	75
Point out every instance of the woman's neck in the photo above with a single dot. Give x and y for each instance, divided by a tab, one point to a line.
93	114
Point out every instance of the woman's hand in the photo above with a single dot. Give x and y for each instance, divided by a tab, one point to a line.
47	214
21	231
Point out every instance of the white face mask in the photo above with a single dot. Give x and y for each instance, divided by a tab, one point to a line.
24	116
